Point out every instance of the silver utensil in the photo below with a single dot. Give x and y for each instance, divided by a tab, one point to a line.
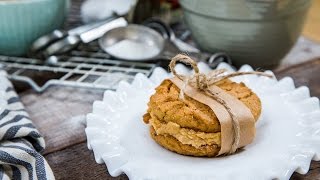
140	43
83	34
45	40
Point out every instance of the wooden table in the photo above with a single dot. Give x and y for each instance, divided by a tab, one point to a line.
59	114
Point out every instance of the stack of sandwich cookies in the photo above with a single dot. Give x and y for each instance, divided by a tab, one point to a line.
196	127
187	126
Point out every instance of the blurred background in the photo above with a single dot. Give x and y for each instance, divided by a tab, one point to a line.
58	36
259	33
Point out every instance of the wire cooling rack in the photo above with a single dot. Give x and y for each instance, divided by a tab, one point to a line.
87	66
91	70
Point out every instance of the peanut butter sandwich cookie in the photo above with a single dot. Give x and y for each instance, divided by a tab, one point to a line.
203	115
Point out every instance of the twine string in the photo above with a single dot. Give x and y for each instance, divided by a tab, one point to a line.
204	81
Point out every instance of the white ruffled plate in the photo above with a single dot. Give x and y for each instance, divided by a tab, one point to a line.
288	134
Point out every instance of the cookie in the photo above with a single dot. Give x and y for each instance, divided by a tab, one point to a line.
187	126
172	144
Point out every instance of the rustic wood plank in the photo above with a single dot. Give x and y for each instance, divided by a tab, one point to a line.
59	114
77	162
304	74
313	174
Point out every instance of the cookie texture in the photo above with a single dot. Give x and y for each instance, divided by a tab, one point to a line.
172	144
187	126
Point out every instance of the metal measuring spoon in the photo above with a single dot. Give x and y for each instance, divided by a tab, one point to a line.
44	41
140	43
72	40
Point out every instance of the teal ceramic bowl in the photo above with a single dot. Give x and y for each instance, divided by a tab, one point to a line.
255	32
23	21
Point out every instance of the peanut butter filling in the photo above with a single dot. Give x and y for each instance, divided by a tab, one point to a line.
185	135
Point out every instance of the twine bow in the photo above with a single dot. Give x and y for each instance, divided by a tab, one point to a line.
204	81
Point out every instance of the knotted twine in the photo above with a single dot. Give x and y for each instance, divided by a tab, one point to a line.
203	81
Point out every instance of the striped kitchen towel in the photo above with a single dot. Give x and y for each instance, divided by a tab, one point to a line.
20	141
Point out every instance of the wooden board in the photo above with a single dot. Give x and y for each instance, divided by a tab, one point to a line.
304	74
59	114
77	162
